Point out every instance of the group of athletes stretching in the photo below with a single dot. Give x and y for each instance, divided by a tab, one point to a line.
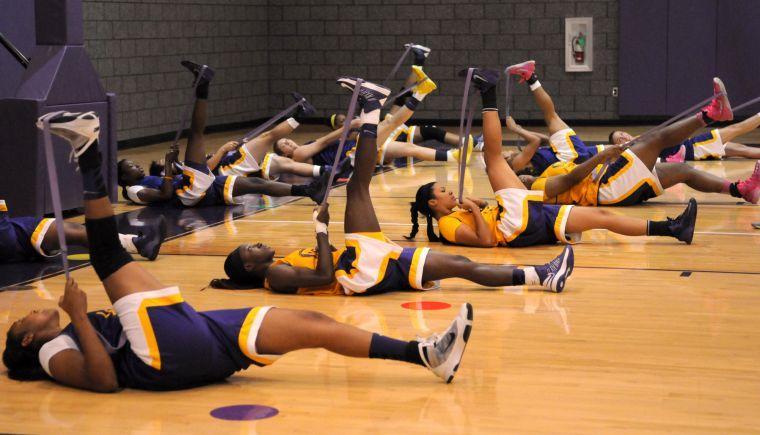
152	339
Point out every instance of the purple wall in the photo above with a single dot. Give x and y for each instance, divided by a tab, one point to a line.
670	50
17	24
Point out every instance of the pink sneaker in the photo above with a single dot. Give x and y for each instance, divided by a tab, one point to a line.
524	70
678	157
720	108
750	188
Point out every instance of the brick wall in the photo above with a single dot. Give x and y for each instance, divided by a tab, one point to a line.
136	47
264	49
313	42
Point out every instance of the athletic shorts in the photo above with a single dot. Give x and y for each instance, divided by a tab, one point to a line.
524	220
567	146
239	162
172	346
628	181
200	188
706	146
266	167
21	237
373	264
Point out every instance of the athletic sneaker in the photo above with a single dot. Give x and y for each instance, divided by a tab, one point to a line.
318	188
418	50
306	109
424	84
442	354
554	273
208	73
678	157
750	188
719	108
479	142
523	70
80	129
149	241
470	146
682	227
483	79
371	95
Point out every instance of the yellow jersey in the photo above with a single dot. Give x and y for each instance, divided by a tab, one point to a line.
583	193
448	224
307	258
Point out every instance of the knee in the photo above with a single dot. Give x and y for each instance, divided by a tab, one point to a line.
315	318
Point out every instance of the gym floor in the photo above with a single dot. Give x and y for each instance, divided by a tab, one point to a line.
672	326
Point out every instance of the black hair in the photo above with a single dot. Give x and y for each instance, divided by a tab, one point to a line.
612	133
238	277
23	362
120	174
529	170
277	149
420	205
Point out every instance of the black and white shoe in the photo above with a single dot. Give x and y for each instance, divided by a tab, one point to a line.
554	274
306	109
682	227
417	48
80	129
317	189
443	353
483	79
195	68
149	240
371	96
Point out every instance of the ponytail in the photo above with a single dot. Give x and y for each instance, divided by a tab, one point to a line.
421	206
238	277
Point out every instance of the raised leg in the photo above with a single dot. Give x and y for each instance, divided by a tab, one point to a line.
650	147
671	174
196	148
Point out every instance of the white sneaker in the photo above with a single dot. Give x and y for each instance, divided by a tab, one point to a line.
442	354
80	129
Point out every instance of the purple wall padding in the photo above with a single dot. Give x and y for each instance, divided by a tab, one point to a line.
59	22
643	57
61	75
15	17
691	52
738	45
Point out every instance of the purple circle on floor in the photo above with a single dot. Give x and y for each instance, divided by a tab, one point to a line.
244	412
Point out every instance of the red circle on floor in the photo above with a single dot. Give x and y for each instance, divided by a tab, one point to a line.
426	305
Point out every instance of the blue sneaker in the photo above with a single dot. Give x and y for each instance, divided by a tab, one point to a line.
306	109
554	273
148	243
682	227
208	73
371	95
483	79
479	142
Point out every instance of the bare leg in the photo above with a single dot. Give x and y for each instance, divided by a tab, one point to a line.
75	234
410	80
545	103
309	330
734	149
196	149
729	133
248	185
360	213
284	165
671	174
588	218
651	146
439	266
396	150
262	144
499	173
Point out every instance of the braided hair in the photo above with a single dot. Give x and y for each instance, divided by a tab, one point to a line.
238	277
420	205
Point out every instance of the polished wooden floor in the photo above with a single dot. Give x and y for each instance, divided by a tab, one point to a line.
632	345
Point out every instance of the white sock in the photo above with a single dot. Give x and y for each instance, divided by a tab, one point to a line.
419	96
535	85
128	243
450	156
531	277
292	123
372	117
315	171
